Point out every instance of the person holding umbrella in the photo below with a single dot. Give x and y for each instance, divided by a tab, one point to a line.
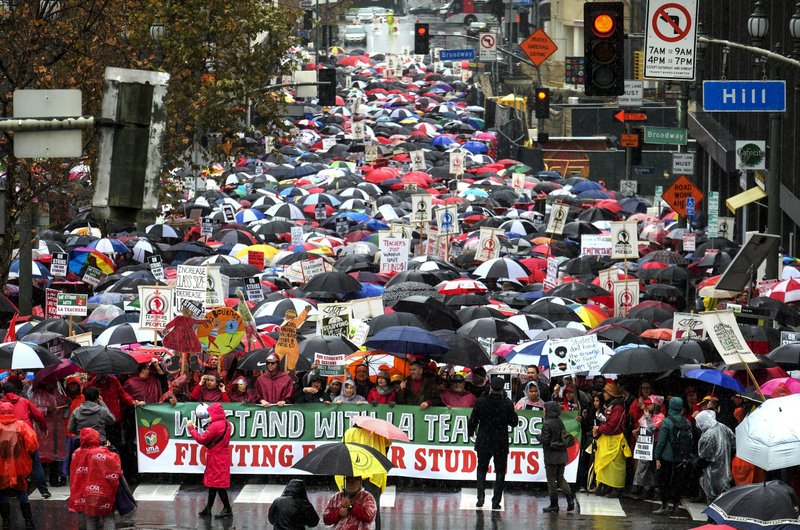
353	508
491	417
217	476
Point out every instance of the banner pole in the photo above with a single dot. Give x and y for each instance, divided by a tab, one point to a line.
752	377
70	326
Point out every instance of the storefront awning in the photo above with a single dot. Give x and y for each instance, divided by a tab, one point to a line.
746	197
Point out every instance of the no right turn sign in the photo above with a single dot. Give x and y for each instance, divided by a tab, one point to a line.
488	47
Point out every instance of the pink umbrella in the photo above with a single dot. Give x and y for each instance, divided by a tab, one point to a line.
791	383
61	370
380	427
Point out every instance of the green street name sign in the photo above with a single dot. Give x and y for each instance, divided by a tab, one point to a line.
665	136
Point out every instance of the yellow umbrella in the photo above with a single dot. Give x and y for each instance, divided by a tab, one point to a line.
268	250
346	459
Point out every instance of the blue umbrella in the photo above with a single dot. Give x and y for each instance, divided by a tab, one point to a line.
442	141
355	216
586	185
408	339
475	147
38	270
368	290
593	194
714	377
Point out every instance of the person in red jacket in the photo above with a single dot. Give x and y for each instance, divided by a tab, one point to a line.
115	398
210	390
274	387
28	412
383	393
350	509
94	478
18	438
457	395
217	476
612	448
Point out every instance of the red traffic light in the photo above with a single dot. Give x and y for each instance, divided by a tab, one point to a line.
541	94
603	25
422	30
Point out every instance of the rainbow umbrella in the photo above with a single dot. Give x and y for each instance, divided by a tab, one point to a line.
82	257
590	314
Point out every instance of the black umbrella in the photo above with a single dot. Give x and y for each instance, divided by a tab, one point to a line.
639	360
653	311
56	325
344	459
787	355
464	351
415	275
326	345
104	360
634	325
552	311
396	318
473	299
434	313
617	334
575	290
688	351
495	328
19	355
255	359
467	314
331	282
786	314
585	265
770	504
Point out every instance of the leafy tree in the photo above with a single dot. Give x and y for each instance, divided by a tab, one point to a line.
220	54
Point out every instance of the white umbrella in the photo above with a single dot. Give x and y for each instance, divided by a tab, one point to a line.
770	436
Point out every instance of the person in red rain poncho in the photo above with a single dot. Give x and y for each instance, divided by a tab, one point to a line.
18	439
217	477
210	390
93	480
353	508
274	387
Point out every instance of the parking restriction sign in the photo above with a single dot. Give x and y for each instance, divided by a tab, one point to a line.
670	39
488	47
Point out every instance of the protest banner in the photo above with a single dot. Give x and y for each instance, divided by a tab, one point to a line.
624	240
626	295
297	235
157	268
551	278
58	267
256	259
571	356
93	276
721	326
269	441
155	303
333	320
394	254
51	302
206	226
687	326
329	365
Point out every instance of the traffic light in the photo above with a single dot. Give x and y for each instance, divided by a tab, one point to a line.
541	103
327	91
422	39
604	48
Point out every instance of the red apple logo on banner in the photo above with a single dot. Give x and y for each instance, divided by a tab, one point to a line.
153	438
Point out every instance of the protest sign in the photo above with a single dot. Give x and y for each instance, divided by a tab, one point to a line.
607	279
687	326
551	279
333	320
155	307
51	303
256	259
329	365
488	244
571	356
624	240
252	290
228	213
626	295
421	206
190	285
417	160
206	226
217	286
644	447
595	245
447	219
58	267
297	235
359	330
558	218
394	254
721	326
69	304
270	441
157	268
93	276
312	267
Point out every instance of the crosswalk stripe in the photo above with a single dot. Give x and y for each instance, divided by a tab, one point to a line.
469	496
695	510
388	497
259	493
595	505
59	494
156	492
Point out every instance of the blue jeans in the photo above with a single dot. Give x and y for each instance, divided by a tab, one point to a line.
6	494
38	473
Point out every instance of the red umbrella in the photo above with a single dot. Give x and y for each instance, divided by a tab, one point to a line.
354	60
61	370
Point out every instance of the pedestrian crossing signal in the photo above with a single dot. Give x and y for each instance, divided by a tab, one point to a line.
604	48
422	44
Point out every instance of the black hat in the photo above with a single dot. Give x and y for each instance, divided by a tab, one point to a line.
458	378
498	384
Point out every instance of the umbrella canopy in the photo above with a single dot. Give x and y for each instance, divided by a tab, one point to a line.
332	282
407	340
464	351
347	459
380	427
254	359
714	377
129	333
104	360
639	360
756	506
21	356
494	328
769	437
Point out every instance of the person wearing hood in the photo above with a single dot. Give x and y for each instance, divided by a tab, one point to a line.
27	412
210	390
292	510
19	445
148	384
383	392
334	388
612	448
644	480
555	456
313	391
94	478
349	395
673	454
239	392
714	451
531	400
92	413
457	396
491	418
51	402
274	387
217	476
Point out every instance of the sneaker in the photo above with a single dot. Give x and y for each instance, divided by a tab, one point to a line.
495	506
479	504
47	494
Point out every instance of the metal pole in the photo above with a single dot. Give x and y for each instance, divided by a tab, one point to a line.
628	155
682	111
25	258
773	186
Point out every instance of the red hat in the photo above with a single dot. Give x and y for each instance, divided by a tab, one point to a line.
647	401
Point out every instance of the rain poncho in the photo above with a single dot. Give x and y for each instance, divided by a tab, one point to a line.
612	448
94	477
715	447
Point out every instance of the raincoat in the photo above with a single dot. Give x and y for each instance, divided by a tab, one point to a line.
292	510
551	432
379	443
274	386
360	517
612	448
645	476
25	410
52	445
16	438
93	477
217	439
714	448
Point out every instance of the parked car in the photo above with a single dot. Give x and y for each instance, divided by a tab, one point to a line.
355	34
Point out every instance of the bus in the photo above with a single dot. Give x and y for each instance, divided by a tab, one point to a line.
467	11
398	7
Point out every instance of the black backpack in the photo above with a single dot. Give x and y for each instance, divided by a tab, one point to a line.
681	440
